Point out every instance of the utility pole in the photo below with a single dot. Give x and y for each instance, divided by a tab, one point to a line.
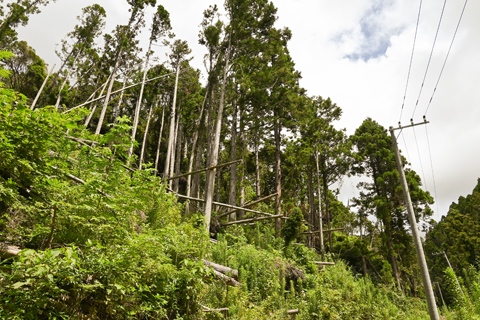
427	285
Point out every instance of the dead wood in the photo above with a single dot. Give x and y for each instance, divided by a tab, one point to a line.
222	269
8	251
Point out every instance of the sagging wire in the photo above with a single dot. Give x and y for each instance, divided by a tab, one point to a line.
411	59
433	174
430	58
448	53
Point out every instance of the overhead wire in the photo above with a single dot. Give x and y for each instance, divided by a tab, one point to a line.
420	158
433	174
448	53
411	59
430	58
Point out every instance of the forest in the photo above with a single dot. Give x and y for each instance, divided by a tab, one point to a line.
132	189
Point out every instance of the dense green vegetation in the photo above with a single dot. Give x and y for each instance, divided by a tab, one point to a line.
85	188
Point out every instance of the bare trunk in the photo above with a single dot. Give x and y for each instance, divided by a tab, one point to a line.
139	101
278	177
171	135
194	146
327	202
174	149
319	195
178	159
159	140
116	111
41	88
241	200
95	105
257	167
232	196
311	205
109	92
393	260
65	81
216	144
144	143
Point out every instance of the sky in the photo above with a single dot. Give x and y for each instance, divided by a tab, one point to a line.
358	53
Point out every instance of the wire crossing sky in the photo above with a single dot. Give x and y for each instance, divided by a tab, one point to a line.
356	52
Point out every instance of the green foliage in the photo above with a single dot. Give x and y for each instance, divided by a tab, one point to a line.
292	228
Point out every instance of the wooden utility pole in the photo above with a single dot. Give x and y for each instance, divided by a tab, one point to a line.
427	285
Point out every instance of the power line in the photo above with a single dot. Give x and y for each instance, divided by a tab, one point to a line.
433	174
420	158
430	58
411	59
448	53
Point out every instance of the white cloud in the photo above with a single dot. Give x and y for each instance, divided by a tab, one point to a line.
374	87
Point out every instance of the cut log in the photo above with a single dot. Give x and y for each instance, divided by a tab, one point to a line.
215	310
247	205
222	269
321	263
228	280
293	311
8	251
252	220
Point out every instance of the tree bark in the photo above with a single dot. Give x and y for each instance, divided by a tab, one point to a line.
139	101
159	139
144	142
216	144
171	135
109	92
95	105
311	204
178	153
257	167
319	195
232	195
278	176
326	201
32	107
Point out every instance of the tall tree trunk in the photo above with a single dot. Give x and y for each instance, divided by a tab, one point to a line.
311	204
194	146
171	135
326	200
95	105
211	176
140	97
319	195
109	92
116	111
241	200
159	140
278	176
387	222
41	88
174	149
65	80
257	166
232	195
144	142
178	160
